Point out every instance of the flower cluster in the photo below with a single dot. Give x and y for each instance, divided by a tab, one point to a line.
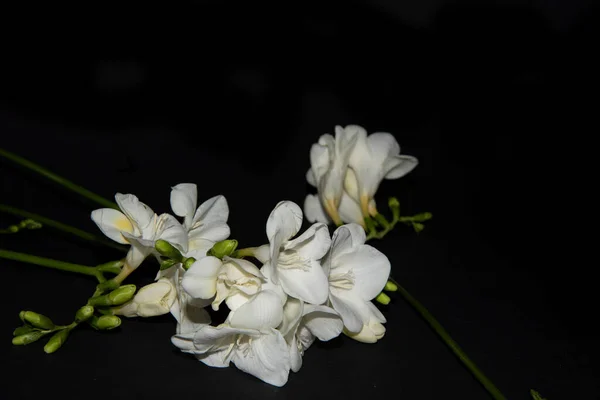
306	286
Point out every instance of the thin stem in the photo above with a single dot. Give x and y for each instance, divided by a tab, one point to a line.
58	179
437	327
60	226
50	263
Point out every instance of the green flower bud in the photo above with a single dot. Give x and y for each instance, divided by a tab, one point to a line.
37	320
166	264
84	313
105	322
187	264
418	227
111	266
23	330
168	250
13	229
110	284
56	341
390	286
383	298
394	205
27	338
422	217
115	298
223	248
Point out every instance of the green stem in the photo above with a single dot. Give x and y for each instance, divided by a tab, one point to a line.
437	327
47	262
58	179
60	226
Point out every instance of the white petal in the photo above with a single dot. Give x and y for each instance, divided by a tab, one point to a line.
295	356
323	322
309	285
344	239
314	211
319	160
210	220
292	312
169	229
370	267
262	253
154	291
347	310
112	223
137	253
200	281
192	318
284	221
217	359
349	210
262	311
398	166
139	213
305	336
310	178
244	265
269	359
313	243
375	313
210	338
351	185
236	300
382	145
184	198
270	285
198	248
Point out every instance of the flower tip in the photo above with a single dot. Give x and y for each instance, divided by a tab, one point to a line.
383	298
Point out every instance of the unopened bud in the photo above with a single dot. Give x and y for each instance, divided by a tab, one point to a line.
111	266
168	263
187	264
223	248
27	338
110	284
105	322
115	298
23	330
37	320
56	341
383	298
426	216
394	205
418	227
390	286
84	313
168	250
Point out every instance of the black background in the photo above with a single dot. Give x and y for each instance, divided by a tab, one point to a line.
496	101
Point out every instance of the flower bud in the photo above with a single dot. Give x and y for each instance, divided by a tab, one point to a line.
383	298
111	266
187	264
168	250
151	300
115	298
84	313
37	320
394	205
27	338
422	217
168	263
23	330
110	284
56	341
104	322
390	286
223	248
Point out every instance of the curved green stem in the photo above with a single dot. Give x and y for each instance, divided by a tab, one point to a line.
50	263
60	226
57	179
443	334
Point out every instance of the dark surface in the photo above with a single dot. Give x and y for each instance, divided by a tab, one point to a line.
492	100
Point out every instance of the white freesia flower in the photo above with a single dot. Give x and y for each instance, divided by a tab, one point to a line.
374	158
357	274
138	225
294	263
328	164
206	224
303	322
151	300
231	280
247	338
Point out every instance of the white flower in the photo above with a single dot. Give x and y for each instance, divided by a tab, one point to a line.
302	323
294	264
139	226
154	299
357	274
373	159
231	280
247	338
206	224
328	164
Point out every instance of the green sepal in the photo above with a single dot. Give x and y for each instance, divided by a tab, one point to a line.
27	338
56	341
